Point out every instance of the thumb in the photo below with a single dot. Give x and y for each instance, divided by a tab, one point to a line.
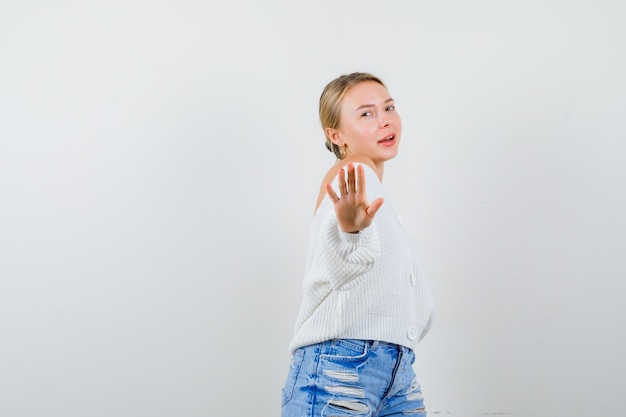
374	206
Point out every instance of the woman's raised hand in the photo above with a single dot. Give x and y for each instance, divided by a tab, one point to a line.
354	212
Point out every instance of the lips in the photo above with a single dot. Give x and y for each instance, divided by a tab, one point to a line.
388	140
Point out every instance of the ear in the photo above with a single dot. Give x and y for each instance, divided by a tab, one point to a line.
334	136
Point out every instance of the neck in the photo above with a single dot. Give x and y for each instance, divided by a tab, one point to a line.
380	169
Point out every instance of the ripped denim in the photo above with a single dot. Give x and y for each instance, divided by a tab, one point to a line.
341	378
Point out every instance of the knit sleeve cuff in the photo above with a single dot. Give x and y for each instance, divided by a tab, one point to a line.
348	255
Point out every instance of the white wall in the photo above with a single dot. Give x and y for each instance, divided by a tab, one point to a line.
159	163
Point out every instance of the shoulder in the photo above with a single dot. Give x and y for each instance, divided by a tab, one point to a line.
331	175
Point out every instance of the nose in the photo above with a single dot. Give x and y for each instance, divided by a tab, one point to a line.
384	120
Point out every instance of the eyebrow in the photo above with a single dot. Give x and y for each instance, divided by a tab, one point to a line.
371	105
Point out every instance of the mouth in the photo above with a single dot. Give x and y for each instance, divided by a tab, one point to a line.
388	140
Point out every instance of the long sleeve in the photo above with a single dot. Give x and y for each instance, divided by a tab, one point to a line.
344	256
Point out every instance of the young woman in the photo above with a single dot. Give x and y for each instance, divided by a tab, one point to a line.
366	303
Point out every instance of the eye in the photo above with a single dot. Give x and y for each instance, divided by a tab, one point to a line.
390	108
366	114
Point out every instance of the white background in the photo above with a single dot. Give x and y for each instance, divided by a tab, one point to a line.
160	160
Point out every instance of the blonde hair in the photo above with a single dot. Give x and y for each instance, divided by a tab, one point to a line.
331	99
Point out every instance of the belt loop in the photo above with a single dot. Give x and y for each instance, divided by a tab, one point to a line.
374	344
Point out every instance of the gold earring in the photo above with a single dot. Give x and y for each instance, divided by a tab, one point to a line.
343	151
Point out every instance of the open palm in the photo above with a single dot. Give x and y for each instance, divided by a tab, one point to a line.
354	212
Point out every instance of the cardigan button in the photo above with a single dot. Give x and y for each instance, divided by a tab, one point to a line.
413	280
412	333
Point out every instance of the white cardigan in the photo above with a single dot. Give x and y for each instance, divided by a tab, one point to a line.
367	285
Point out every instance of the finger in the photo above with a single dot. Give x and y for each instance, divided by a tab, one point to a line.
361	179
351	178
331	193
341	182
372	209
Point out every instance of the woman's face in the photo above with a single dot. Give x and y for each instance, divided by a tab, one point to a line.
369	124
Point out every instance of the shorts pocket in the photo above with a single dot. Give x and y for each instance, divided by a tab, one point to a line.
347	350
292	376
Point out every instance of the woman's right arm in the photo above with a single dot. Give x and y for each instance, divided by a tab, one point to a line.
343	256
352	208
348	237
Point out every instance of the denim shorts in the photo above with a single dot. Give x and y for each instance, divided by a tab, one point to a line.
348	377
